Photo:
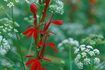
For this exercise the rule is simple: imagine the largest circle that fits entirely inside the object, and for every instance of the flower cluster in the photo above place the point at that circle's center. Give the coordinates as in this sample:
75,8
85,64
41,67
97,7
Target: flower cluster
69,41
7,27
11,3
57,7
86,55
40,32
4,45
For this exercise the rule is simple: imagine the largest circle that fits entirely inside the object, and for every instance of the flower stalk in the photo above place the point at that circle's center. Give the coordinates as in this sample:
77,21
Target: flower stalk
41,34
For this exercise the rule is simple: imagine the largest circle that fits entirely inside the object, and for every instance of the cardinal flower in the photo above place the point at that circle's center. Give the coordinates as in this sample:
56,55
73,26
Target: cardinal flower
31,32
34,64
51,44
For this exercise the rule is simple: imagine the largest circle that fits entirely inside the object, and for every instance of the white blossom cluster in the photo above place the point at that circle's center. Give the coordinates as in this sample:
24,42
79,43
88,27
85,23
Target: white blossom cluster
69,41
4,45
10,4
57,7
5,63
86,55
7,27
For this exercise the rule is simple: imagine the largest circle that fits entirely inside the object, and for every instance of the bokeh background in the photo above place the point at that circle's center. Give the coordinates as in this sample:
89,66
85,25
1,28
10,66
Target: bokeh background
84,21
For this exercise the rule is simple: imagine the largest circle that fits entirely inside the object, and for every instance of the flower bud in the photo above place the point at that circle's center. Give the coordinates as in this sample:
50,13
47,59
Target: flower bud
57,22
33,8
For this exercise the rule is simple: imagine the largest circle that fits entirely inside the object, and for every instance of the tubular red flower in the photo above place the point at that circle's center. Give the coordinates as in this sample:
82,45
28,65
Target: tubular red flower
57,22
33,8
52,45
31,32
35,64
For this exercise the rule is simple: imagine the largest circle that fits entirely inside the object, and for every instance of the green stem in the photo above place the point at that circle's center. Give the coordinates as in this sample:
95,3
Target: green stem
70,57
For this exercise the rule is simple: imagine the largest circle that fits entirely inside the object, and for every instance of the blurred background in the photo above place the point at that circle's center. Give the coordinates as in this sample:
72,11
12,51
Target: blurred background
84,21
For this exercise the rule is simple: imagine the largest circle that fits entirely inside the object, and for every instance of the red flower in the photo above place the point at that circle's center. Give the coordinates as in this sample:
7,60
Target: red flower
57,22
34,64
51,44
31,32
33,8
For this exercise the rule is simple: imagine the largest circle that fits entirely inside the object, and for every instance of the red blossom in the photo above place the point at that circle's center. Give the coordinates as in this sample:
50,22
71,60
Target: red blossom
31,32
51,44
33,8
57,22
35,64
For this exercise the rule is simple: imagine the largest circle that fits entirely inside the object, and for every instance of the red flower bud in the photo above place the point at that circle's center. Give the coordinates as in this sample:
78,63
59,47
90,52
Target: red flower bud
33,8
57,22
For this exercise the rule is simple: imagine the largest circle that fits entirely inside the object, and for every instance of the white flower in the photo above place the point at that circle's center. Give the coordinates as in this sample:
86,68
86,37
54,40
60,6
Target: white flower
15,30
82,47
4,46
96,51
96,60
5,63
10,4
5,0
76,51
65,41
2,51
60,44
90,47
80,65
17,1
57,7
87,50
83,54
87,61
27,1
1,37
91,53
78,56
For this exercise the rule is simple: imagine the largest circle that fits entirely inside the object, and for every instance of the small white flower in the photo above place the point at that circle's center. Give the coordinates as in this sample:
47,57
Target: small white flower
82,47
78,56
5,0
65,41
1,37
87,50
27,1
96,60
76,51
15,30
83,54
4,30
60,44
80,65
17,1
96,51
57,7
87,61
3,51
4,46
10,4
91,53
90,47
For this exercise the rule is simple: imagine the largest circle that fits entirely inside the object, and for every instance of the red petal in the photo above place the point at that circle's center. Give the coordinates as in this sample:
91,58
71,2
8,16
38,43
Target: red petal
57,22
40,43
52,45
35,35
33,8
28,32
34,66
30,62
